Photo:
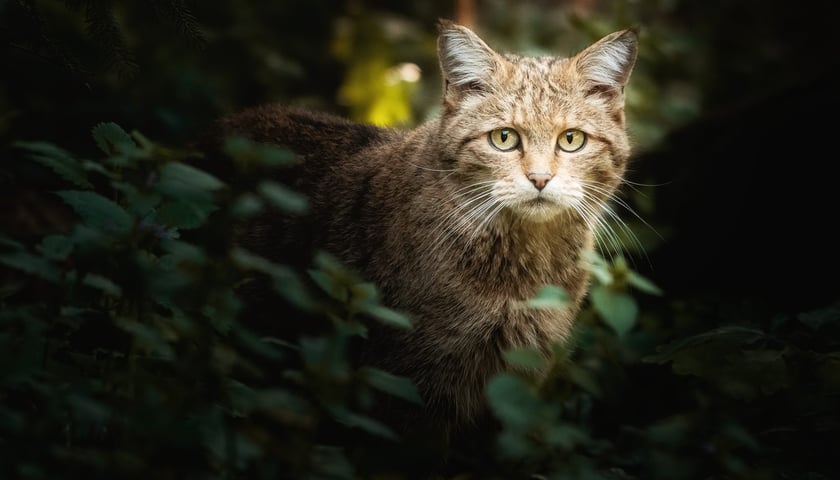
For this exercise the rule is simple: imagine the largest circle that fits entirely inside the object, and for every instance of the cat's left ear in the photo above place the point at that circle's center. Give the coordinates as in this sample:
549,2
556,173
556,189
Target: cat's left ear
607,63
468,65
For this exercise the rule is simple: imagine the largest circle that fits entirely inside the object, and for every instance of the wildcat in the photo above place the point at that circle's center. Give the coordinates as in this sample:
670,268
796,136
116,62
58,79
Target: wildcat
462,219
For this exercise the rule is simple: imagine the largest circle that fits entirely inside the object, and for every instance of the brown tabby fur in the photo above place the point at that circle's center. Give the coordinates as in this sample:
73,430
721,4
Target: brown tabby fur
401,206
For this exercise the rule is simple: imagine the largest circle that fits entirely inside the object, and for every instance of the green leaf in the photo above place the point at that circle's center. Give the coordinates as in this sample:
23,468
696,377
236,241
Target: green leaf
514,444
741,436
57,160
618,309
183,215
525,357
548,297
10,243
137,201
56,247
264,347
584,379
25,261
90,166
149,338
112,139
565,436
97,211
672,430
387,316
247,152
732,337
282,197
191,192
362,422
181,180
99,282
513,402
247,260
284,406
727,358
599,268
329,284
401,387
821,318
184,252
246,206
326,357
642,283
364,292
286,281
330,463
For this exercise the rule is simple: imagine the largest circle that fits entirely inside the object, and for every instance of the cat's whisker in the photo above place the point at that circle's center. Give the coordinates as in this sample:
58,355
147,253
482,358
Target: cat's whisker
467,225
607,228
487,219
629,233
593,223
617,220
474,213
463,215
421,167
472,187
611,196
631,183
605,234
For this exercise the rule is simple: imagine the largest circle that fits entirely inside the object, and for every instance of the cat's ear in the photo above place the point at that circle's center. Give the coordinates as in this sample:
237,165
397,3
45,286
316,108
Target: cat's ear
607,63
468,65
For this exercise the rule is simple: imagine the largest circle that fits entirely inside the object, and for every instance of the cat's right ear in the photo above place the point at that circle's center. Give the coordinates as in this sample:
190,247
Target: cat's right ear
607,63
467,64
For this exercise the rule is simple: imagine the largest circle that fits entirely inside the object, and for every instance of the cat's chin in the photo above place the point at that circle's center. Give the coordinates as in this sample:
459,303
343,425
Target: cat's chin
539,209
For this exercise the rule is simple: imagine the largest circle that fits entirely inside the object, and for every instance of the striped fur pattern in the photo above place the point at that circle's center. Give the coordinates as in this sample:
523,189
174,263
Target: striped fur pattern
453,230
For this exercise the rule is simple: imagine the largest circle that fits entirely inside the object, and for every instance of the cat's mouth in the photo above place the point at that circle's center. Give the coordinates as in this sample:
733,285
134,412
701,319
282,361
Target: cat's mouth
540,208
541,202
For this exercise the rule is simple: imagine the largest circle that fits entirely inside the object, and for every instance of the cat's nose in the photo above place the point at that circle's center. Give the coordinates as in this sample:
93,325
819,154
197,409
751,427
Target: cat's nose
539,179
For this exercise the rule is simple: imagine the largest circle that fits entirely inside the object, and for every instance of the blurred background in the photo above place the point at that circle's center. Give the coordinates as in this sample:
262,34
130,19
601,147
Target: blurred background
729,205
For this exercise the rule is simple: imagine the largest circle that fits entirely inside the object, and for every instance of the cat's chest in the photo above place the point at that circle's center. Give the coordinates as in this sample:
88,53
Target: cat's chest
513,266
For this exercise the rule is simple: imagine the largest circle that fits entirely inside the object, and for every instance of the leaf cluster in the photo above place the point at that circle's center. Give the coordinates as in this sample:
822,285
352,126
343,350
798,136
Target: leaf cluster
126,351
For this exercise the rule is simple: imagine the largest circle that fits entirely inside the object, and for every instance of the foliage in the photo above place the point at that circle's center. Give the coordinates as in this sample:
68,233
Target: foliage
124,351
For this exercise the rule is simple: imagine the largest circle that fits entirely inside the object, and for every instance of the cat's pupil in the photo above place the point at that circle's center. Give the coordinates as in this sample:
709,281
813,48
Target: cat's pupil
504,135
569,137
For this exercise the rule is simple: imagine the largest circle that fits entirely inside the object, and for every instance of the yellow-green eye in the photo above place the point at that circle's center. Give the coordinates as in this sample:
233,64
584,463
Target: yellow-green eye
571,140
505,139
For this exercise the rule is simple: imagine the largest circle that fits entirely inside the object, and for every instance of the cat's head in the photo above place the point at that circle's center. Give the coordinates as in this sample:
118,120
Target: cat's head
537,136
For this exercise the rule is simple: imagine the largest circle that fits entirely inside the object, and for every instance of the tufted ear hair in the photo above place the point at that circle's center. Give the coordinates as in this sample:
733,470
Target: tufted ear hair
607,63
468,65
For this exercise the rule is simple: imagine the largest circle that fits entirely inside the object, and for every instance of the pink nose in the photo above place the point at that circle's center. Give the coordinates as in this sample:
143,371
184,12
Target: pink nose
539,179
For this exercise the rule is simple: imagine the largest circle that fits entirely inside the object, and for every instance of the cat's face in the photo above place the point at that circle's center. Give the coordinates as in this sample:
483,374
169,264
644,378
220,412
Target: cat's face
536,136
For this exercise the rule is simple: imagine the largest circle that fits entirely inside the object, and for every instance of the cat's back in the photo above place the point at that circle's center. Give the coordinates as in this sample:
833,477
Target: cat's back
309,133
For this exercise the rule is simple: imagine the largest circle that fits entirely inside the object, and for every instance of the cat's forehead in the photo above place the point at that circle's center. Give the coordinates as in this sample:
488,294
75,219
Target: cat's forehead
542,64
542,91
531,72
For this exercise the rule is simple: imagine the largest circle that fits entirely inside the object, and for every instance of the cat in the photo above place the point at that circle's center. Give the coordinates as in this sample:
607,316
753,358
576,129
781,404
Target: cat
462,219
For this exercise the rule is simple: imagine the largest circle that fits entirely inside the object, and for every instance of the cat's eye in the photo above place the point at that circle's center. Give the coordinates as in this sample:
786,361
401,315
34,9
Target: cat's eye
505,139
571,140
